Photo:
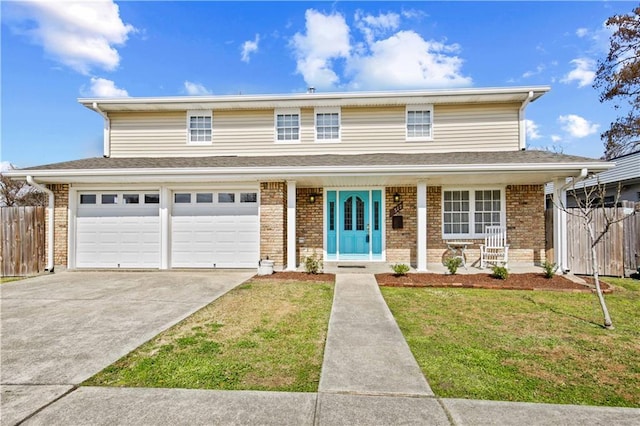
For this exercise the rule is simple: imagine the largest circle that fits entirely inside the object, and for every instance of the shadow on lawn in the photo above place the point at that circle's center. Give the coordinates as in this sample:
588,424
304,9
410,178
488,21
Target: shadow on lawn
561,313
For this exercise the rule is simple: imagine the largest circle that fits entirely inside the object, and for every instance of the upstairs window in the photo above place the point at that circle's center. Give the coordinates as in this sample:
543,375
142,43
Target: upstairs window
199,127
420,122
327,124
288,125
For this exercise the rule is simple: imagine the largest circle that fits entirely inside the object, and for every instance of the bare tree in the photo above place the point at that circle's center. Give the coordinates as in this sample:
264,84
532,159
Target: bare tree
19,193
589,201
618,78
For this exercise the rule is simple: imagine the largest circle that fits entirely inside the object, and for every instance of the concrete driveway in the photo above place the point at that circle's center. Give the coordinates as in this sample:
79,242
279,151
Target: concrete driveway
60,329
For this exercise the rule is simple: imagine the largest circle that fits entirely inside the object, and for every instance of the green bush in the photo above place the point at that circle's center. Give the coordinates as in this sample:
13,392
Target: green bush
549,269
500,272
452,264
313,264
400,269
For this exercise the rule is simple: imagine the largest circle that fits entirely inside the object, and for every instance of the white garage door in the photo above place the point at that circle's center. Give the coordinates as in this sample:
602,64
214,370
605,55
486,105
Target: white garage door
215,229
118,230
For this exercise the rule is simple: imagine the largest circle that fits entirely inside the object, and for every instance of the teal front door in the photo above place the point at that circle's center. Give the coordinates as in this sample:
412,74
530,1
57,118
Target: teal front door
354,225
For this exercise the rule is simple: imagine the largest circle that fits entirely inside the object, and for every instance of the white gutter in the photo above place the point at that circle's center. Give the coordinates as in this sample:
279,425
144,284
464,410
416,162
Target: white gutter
523,127
50,221
582,176
107,129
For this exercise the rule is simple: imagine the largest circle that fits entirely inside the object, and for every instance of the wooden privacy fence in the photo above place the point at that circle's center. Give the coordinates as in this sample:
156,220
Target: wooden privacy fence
22,240
618,251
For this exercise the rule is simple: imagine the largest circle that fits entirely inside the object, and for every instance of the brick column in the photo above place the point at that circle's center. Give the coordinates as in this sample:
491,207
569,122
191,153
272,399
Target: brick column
61,224
273,222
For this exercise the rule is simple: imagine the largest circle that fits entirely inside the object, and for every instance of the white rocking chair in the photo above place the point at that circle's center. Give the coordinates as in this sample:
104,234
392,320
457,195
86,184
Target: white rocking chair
495,248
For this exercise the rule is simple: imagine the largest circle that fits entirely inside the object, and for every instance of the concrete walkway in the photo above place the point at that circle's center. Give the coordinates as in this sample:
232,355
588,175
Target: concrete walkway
365,351
369,377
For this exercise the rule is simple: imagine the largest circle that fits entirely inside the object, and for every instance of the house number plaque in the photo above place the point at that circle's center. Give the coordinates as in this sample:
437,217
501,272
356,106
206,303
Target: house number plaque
396,209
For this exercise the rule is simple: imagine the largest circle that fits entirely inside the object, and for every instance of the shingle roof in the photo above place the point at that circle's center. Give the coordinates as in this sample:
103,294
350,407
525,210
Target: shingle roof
356,160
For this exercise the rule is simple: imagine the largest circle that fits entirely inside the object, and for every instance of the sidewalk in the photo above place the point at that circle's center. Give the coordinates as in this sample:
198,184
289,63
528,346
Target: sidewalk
369,377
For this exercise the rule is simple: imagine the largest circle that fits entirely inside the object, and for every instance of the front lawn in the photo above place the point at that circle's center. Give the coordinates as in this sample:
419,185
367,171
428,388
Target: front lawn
263,335
523,346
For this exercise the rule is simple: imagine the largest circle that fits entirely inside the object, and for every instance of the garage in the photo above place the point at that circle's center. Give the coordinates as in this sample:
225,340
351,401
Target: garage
215,229
118,230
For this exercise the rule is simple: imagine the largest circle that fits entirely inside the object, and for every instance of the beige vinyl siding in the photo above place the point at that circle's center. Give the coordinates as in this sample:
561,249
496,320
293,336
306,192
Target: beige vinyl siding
493,127
486,127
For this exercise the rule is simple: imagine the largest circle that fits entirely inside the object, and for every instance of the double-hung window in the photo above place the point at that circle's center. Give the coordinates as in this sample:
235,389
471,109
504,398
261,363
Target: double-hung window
327,124
420,122
287,125
199,126
467,213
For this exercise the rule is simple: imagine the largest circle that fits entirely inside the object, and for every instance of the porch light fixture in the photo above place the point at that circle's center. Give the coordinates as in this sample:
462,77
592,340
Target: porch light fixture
312,198
396,198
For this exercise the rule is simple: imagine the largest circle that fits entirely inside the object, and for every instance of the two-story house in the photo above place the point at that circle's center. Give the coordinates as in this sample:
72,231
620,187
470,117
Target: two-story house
223,181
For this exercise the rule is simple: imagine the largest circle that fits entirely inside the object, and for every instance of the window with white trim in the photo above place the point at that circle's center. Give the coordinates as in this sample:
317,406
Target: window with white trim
199,126
287,125
467,213
327,124
420,122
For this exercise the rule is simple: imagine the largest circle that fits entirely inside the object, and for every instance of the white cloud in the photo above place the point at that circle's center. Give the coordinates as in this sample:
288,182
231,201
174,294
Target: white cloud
556,138
387,59
249,47
406,60
533,132
103,88
195,89
537,71
78,34
326,39
584,72
576,126
372,26
582,32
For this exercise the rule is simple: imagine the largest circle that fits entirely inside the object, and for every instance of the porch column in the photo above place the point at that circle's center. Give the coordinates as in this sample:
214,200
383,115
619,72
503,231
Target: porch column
291,225
165,227
422,226
560,225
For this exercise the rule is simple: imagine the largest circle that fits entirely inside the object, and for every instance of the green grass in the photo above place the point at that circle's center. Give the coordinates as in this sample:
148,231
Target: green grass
264,335
627,283
523,346
4,280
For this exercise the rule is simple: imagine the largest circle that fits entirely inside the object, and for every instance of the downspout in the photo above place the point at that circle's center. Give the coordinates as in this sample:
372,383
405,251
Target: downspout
523,127
575,179
107,130
50,221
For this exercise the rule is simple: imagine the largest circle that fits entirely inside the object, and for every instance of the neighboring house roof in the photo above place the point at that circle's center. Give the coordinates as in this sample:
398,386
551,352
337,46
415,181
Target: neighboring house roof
626,169
430,166
310,100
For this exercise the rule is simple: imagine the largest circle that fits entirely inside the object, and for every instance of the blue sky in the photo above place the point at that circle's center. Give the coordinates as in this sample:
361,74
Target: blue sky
55,52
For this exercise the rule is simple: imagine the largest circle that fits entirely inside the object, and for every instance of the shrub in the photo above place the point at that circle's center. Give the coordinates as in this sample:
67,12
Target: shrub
312,264
549,269
452,264
500,272
400,269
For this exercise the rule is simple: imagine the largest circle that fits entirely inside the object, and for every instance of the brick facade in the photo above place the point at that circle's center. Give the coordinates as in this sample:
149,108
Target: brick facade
526,223
61,224
309,223
524,210
402,243
273,222
525,226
